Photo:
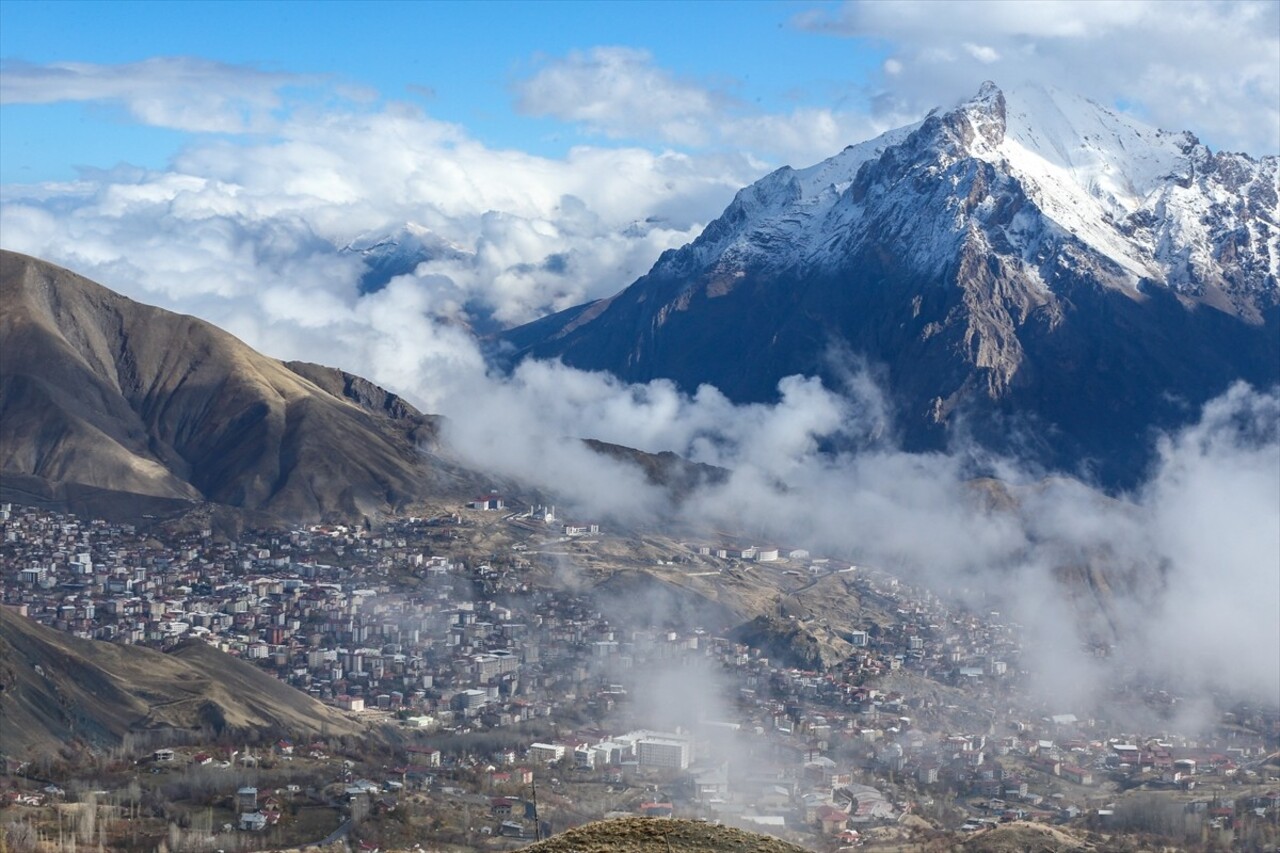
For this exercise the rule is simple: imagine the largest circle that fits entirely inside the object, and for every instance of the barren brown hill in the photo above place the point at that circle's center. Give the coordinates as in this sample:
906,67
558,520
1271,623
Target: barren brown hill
100,394
55,688
665,469
1017,837
658,835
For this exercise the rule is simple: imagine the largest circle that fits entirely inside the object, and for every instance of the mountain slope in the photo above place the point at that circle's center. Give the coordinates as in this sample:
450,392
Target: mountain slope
54,687
99,392
1036,272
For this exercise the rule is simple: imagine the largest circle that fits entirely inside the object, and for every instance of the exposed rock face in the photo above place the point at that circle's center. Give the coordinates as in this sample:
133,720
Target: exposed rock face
99,392
1033,271
786,642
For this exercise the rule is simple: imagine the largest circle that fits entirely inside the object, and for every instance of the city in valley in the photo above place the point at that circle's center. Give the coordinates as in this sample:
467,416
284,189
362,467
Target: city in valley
494,673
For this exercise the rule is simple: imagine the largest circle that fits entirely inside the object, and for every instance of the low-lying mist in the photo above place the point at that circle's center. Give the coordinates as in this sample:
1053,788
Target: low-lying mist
1178,581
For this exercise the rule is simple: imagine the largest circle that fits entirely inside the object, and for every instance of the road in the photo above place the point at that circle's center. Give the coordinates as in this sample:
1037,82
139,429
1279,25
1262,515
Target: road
338,834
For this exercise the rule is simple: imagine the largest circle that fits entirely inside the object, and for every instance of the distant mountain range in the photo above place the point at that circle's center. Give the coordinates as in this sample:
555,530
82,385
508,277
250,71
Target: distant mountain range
132,405
1029,269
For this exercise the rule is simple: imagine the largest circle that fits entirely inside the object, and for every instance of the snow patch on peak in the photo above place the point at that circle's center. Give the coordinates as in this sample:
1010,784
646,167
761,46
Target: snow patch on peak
1115,159
1154,202
837,173
1046,175
387,254
773,219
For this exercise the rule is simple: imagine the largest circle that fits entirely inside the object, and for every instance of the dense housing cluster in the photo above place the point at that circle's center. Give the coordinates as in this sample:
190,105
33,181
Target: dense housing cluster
496,679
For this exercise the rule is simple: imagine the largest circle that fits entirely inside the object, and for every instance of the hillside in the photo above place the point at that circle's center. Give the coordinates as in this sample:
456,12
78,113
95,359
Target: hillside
677,475
656,835
55,688
101,396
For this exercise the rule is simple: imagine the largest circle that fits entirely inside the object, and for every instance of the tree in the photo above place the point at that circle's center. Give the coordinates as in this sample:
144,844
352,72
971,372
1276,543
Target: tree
19,837
359,808
86,821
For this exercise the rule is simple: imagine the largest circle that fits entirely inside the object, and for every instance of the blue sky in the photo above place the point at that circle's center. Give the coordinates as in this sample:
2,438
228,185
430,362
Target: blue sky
457,61
1210,69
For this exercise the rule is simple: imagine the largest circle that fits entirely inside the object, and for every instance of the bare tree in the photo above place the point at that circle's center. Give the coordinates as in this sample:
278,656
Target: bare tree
20,836
87,820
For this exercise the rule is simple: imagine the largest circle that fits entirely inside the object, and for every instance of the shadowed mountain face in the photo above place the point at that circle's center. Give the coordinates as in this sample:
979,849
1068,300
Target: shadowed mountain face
101,394
55,687
1037,273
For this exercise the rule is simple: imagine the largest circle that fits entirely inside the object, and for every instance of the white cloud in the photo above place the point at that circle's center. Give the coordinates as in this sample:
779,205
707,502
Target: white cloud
1199,544
246,233
185,93
621,93
982,52
1209,67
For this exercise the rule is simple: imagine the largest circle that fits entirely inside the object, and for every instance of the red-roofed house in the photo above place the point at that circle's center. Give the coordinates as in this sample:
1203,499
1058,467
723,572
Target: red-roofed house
832,820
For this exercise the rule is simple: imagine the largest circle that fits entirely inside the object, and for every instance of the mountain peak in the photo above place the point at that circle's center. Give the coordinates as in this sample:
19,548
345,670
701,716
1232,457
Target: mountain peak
986,113
1151,206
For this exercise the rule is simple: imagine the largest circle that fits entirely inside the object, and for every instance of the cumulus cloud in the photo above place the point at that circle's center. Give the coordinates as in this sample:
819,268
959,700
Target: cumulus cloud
981,52
621,93
250,233
231,224
1209,67
180,92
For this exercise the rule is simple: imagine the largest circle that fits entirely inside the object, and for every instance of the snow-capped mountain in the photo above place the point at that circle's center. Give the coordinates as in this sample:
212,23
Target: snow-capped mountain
396,253
1052,274
1157,206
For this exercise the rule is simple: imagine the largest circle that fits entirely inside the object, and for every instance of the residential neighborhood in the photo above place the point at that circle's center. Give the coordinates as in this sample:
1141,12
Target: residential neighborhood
538,707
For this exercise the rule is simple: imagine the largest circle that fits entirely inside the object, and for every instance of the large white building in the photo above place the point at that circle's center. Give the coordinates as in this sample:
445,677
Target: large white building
663,752
545,753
